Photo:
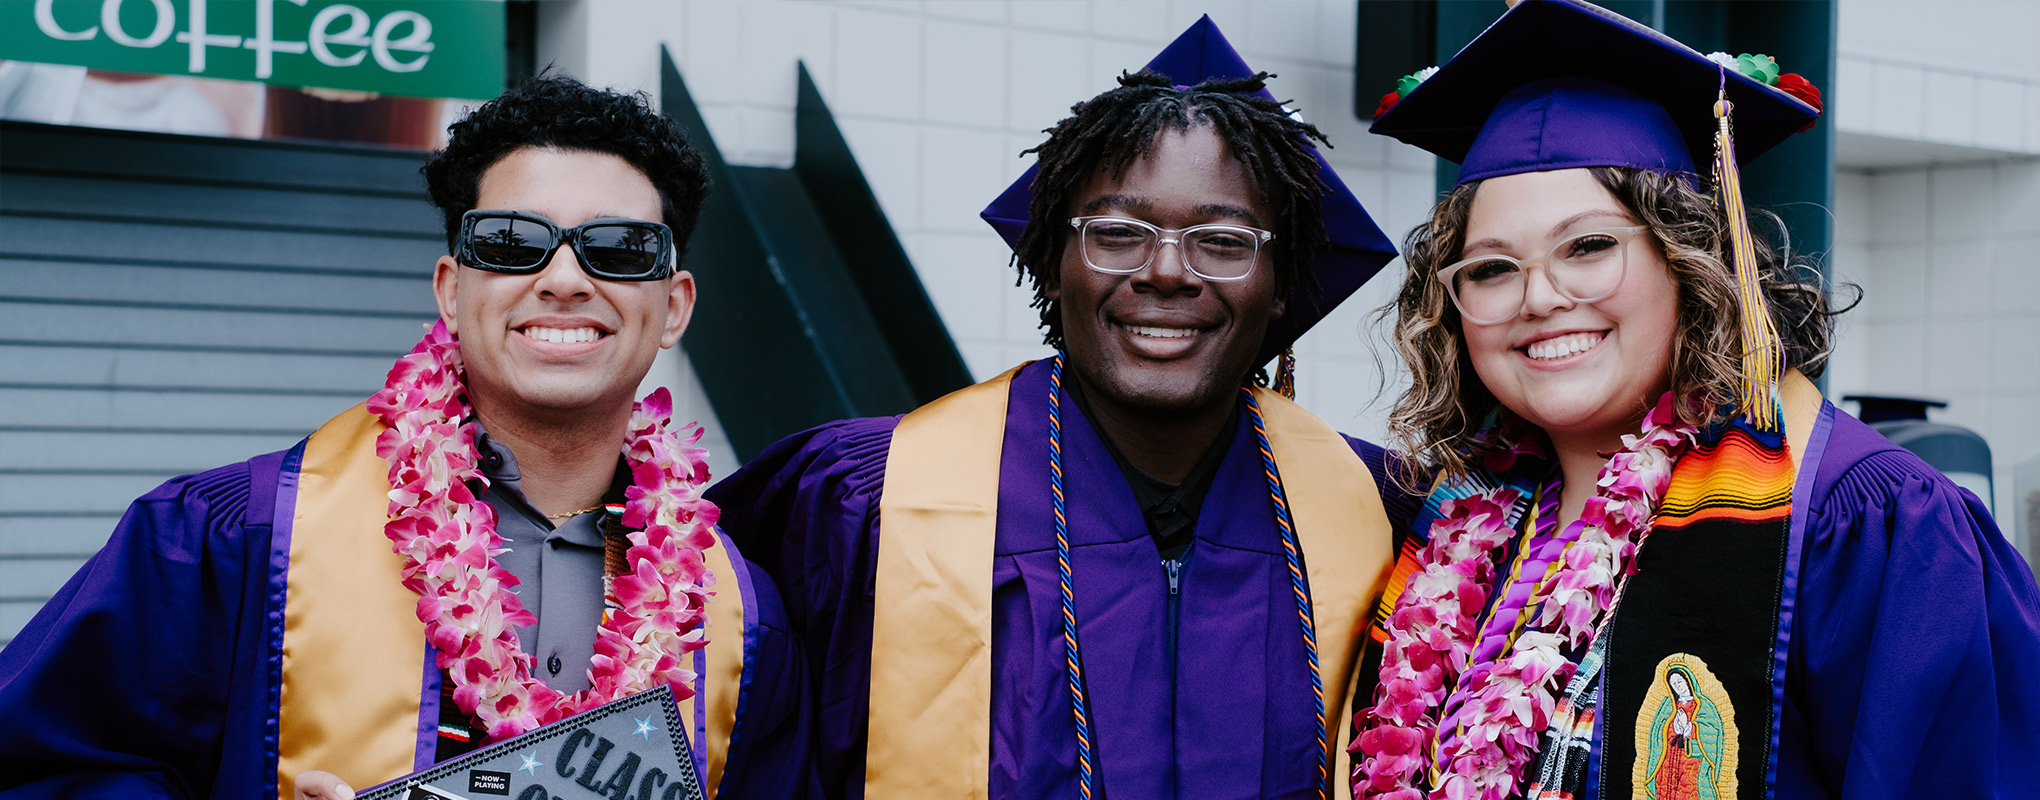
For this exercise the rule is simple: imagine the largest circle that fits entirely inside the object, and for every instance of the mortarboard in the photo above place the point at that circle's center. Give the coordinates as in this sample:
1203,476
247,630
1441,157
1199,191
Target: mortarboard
1560,84
1356,248
1556,84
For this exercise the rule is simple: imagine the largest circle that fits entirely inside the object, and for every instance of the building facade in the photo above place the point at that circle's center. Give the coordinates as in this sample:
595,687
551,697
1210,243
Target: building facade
1936,217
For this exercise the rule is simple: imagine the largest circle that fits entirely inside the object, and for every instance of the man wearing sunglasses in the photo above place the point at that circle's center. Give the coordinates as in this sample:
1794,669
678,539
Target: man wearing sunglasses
1125,571
256,630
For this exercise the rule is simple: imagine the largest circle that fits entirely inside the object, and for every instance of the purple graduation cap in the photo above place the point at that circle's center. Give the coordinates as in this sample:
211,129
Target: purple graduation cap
1356,249
1556,84
1559,84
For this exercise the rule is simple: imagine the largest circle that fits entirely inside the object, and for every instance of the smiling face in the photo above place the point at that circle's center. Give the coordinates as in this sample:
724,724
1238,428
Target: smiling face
1573,369
559,341
1163,340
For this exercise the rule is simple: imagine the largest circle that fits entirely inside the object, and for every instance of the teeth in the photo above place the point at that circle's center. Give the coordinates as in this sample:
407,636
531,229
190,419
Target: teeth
563,335
1564,345
1161,333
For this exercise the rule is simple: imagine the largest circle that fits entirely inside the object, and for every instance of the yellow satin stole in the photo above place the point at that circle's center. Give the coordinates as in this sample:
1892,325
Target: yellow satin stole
354,650
931,652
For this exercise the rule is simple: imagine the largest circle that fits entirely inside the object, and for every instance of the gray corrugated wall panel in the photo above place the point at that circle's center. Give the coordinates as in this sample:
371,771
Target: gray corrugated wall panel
155,242
36,576
84,408
217,205
61,535
15,614
115,368
72,494
335,167
298,330
171,304
42,279
163,452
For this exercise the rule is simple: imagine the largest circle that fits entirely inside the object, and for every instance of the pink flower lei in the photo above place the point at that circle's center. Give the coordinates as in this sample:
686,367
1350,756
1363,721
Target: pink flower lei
1506,703
657,609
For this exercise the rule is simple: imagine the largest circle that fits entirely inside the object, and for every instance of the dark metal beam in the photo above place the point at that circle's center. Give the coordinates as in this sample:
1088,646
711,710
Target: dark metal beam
877,264
804,302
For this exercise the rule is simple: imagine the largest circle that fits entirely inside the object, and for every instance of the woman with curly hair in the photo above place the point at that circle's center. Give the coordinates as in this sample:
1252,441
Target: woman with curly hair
1654,562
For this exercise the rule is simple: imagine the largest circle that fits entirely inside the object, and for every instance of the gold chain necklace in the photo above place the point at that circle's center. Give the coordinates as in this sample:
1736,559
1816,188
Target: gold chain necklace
566,514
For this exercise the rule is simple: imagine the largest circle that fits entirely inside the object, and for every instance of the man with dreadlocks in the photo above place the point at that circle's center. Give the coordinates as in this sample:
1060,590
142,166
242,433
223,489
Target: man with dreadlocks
1126,570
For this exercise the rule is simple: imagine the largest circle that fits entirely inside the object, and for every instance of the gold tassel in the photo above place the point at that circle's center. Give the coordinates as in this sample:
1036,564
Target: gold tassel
1763,352
1285,373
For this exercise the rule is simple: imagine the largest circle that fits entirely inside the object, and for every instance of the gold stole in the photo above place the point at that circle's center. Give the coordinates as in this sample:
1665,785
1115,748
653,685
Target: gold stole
931,652
1802,402
354,650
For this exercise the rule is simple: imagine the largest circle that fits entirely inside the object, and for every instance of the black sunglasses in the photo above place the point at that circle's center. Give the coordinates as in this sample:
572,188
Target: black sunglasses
517,243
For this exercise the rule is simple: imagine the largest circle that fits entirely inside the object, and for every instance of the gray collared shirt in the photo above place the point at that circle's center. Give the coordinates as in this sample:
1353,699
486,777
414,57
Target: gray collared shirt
559,570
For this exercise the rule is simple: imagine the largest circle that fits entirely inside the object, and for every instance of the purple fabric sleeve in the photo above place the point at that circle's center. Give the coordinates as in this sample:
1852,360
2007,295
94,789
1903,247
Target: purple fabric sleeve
1795,555
425,751
1916,642
772,748
1915,636
1402,490
149,673
281,518
805,513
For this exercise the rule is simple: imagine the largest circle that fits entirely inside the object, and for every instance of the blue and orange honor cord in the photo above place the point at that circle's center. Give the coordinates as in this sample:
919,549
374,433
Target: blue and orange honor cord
1073,659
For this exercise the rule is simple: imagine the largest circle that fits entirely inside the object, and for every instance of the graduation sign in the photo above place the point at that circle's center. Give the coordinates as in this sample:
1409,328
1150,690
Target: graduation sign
636,747
410,48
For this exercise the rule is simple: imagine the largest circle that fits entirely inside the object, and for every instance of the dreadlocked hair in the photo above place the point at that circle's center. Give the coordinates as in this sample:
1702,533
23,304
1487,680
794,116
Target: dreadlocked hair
1120,126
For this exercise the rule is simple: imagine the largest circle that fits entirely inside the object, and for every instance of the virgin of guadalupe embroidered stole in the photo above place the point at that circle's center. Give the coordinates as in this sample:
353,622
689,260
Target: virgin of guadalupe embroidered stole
1696,652
931,654
354,665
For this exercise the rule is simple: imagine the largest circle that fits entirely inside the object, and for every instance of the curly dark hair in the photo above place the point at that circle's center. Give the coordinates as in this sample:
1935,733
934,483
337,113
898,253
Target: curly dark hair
1436,419
1120,126
560,112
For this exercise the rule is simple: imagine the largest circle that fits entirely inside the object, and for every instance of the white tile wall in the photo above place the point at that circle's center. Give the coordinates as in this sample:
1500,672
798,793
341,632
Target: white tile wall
1851,101
2032,125
1898,109
1949,261
1905,73
1880,94
1998,118
1950,107
937,100
1993,36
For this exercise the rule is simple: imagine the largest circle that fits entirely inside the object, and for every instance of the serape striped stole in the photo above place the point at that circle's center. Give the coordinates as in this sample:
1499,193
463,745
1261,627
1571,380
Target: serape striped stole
1695,675
1712,599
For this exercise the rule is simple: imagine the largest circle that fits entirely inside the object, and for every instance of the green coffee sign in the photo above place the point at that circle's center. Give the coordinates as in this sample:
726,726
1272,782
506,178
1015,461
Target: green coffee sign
413,48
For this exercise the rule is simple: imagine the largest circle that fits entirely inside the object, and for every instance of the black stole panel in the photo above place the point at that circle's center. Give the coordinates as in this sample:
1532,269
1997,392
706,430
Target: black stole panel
1689,699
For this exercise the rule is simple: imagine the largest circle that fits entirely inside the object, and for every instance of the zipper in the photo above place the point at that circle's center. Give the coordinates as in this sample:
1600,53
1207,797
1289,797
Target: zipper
1173,567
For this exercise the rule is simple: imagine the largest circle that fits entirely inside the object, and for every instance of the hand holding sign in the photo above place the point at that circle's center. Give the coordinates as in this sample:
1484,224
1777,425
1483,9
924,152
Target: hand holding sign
313,784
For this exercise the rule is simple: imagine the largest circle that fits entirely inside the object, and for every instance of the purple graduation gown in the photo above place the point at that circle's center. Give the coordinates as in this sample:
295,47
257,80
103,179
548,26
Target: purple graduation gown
153,672
1913,668
1914,664
1235,718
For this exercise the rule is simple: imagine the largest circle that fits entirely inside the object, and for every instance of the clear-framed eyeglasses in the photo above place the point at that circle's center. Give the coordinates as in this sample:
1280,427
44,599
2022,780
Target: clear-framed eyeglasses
1122,246
1583,268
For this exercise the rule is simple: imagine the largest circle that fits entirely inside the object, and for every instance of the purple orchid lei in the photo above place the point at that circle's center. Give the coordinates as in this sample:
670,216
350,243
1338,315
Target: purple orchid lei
1506,702
448,540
